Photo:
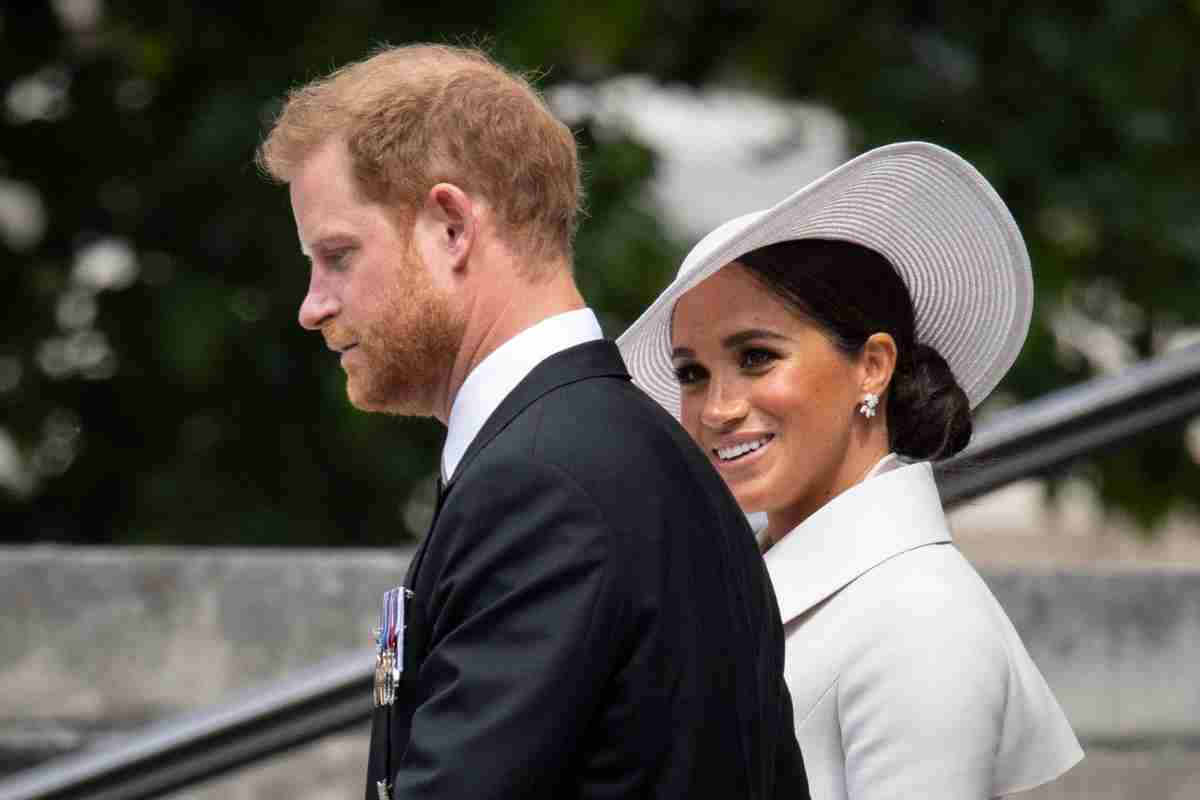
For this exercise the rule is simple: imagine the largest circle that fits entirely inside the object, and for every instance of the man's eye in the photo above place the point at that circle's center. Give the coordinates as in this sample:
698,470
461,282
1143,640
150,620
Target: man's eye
338,259
689,373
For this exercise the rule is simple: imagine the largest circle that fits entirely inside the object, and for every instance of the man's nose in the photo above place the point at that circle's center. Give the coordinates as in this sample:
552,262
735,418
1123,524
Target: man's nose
319,306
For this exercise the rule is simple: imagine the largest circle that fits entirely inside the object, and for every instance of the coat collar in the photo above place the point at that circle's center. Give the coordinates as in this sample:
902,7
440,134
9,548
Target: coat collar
854,532
599,358
499,373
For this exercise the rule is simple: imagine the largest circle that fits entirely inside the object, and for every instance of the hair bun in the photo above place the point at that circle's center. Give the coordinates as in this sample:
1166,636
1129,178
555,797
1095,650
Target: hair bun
929,416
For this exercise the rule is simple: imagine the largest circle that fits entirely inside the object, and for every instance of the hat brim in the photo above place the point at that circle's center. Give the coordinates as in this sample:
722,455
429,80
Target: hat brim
930,213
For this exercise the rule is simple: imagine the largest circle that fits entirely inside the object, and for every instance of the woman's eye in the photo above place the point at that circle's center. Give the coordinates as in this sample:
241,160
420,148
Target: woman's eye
689,373
756,357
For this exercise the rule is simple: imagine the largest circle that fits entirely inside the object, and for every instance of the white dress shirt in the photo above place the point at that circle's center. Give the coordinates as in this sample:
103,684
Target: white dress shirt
499,373
907,678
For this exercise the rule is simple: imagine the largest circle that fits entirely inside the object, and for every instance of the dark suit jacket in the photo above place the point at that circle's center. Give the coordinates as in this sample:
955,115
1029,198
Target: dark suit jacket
590,616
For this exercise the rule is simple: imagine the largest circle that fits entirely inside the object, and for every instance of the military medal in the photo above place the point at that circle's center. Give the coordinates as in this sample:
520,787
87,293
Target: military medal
389,645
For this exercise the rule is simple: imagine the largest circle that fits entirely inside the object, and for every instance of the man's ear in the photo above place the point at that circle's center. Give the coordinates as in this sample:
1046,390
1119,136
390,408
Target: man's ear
446,228
877,361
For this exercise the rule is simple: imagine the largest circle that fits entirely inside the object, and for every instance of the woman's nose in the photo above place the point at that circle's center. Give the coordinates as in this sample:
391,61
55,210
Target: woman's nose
724,405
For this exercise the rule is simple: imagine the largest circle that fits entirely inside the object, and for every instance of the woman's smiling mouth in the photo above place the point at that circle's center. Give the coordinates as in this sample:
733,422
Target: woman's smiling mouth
735,451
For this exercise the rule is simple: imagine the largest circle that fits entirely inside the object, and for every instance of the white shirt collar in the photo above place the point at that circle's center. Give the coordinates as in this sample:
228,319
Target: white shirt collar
493,378
896,510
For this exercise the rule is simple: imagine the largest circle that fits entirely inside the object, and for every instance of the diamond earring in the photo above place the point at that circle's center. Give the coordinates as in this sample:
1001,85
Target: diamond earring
869,401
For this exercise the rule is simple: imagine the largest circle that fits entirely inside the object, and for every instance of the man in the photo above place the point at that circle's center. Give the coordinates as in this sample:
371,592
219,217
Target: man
588,615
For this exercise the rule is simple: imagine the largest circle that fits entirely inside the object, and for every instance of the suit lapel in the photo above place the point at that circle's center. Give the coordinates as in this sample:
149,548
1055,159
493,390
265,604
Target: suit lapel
589,360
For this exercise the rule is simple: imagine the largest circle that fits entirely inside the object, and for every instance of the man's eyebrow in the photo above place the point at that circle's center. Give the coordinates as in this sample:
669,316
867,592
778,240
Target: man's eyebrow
683,352
326,241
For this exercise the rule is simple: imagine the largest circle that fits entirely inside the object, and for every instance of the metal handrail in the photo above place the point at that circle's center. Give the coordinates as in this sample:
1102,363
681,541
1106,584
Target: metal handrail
1020,442
1038,436
326,698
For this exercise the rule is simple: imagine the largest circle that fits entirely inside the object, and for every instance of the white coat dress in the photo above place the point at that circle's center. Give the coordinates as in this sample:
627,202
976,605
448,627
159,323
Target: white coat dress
907,678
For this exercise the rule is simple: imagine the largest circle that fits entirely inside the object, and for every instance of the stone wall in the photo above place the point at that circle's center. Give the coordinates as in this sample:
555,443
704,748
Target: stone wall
95,642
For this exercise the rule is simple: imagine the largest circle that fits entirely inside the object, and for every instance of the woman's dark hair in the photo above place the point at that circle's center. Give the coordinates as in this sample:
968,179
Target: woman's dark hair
851,292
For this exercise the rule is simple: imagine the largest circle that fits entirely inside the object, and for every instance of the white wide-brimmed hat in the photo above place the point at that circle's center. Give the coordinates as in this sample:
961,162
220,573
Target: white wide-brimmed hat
930,213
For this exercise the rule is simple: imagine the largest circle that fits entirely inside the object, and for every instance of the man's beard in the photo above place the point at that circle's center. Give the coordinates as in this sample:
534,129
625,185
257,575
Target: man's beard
408,347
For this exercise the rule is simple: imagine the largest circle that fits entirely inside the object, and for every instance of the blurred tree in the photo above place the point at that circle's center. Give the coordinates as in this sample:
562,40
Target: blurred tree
155,388
158,387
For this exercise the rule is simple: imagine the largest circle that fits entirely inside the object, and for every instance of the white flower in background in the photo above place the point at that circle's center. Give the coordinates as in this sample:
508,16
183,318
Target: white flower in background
1095,322
56,452
52,357
1080,336
80,16
40,96
85,351
89,352
22,215
76,308
109,263
14,475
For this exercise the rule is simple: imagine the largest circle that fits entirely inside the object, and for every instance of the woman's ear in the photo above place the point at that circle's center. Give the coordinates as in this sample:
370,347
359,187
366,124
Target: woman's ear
878,362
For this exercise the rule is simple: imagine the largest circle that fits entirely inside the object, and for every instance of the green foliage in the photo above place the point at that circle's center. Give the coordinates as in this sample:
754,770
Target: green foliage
1146,479
188,407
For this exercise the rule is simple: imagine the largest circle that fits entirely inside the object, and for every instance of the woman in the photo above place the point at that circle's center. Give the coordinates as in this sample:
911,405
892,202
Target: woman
822,353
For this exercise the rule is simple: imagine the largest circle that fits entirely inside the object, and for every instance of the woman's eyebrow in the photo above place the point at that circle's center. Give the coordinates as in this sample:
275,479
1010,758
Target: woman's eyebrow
741,337
731,341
